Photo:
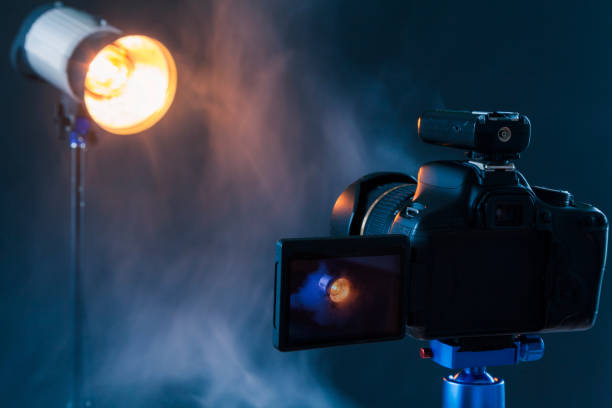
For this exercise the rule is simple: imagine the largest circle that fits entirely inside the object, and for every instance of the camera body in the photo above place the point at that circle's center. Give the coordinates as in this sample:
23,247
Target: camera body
487,254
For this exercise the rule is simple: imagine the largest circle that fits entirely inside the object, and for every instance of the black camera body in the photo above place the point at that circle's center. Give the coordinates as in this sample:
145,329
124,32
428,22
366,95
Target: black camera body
488,254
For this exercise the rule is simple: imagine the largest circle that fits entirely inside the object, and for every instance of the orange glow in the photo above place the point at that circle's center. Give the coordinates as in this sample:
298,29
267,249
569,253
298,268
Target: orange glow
130,84
343,204
419,125
339,290
419,188
109,72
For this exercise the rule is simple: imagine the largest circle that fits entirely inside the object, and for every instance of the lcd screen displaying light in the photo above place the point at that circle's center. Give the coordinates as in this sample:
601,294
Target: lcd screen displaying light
344,297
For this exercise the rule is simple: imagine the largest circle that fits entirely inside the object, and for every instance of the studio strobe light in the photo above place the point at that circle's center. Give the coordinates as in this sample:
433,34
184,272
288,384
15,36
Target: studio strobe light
124,84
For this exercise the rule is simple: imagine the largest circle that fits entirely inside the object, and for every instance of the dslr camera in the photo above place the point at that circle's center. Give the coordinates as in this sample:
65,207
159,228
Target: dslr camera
468,250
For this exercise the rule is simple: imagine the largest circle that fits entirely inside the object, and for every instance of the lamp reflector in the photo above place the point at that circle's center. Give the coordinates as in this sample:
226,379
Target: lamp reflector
130,84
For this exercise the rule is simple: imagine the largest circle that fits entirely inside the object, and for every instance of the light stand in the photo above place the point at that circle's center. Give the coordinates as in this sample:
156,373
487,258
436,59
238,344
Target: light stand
123,83
75,126
473,386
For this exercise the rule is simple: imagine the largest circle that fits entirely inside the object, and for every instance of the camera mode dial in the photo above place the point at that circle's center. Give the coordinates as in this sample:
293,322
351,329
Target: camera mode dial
557,198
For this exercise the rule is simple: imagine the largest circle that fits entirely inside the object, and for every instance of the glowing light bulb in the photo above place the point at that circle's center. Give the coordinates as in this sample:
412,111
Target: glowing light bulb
109,72
339,290
130,84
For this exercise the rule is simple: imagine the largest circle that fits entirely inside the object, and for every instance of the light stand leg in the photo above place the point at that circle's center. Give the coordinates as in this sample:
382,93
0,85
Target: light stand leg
78,149
473,388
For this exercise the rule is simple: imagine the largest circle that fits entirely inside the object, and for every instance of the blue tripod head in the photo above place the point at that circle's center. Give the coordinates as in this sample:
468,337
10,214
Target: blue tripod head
473,386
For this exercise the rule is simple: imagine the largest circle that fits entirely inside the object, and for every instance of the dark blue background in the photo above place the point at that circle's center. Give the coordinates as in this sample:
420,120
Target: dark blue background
280,106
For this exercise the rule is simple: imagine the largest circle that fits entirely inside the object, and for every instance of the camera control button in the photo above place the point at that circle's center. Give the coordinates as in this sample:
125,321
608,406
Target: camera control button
557,198
504,134
411,212
545,216
426,353
595,221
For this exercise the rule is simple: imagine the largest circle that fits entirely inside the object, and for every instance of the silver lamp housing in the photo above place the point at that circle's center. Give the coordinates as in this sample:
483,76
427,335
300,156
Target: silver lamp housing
55,44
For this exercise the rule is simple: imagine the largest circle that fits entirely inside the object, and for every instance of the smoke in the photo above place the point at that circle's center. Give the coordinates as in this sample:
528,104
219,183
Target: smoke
183,220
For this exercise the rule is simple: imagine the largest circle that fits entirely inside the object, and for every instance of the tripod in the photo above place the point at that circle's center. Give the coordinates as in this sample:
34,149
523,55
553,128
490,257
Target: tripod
473,386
